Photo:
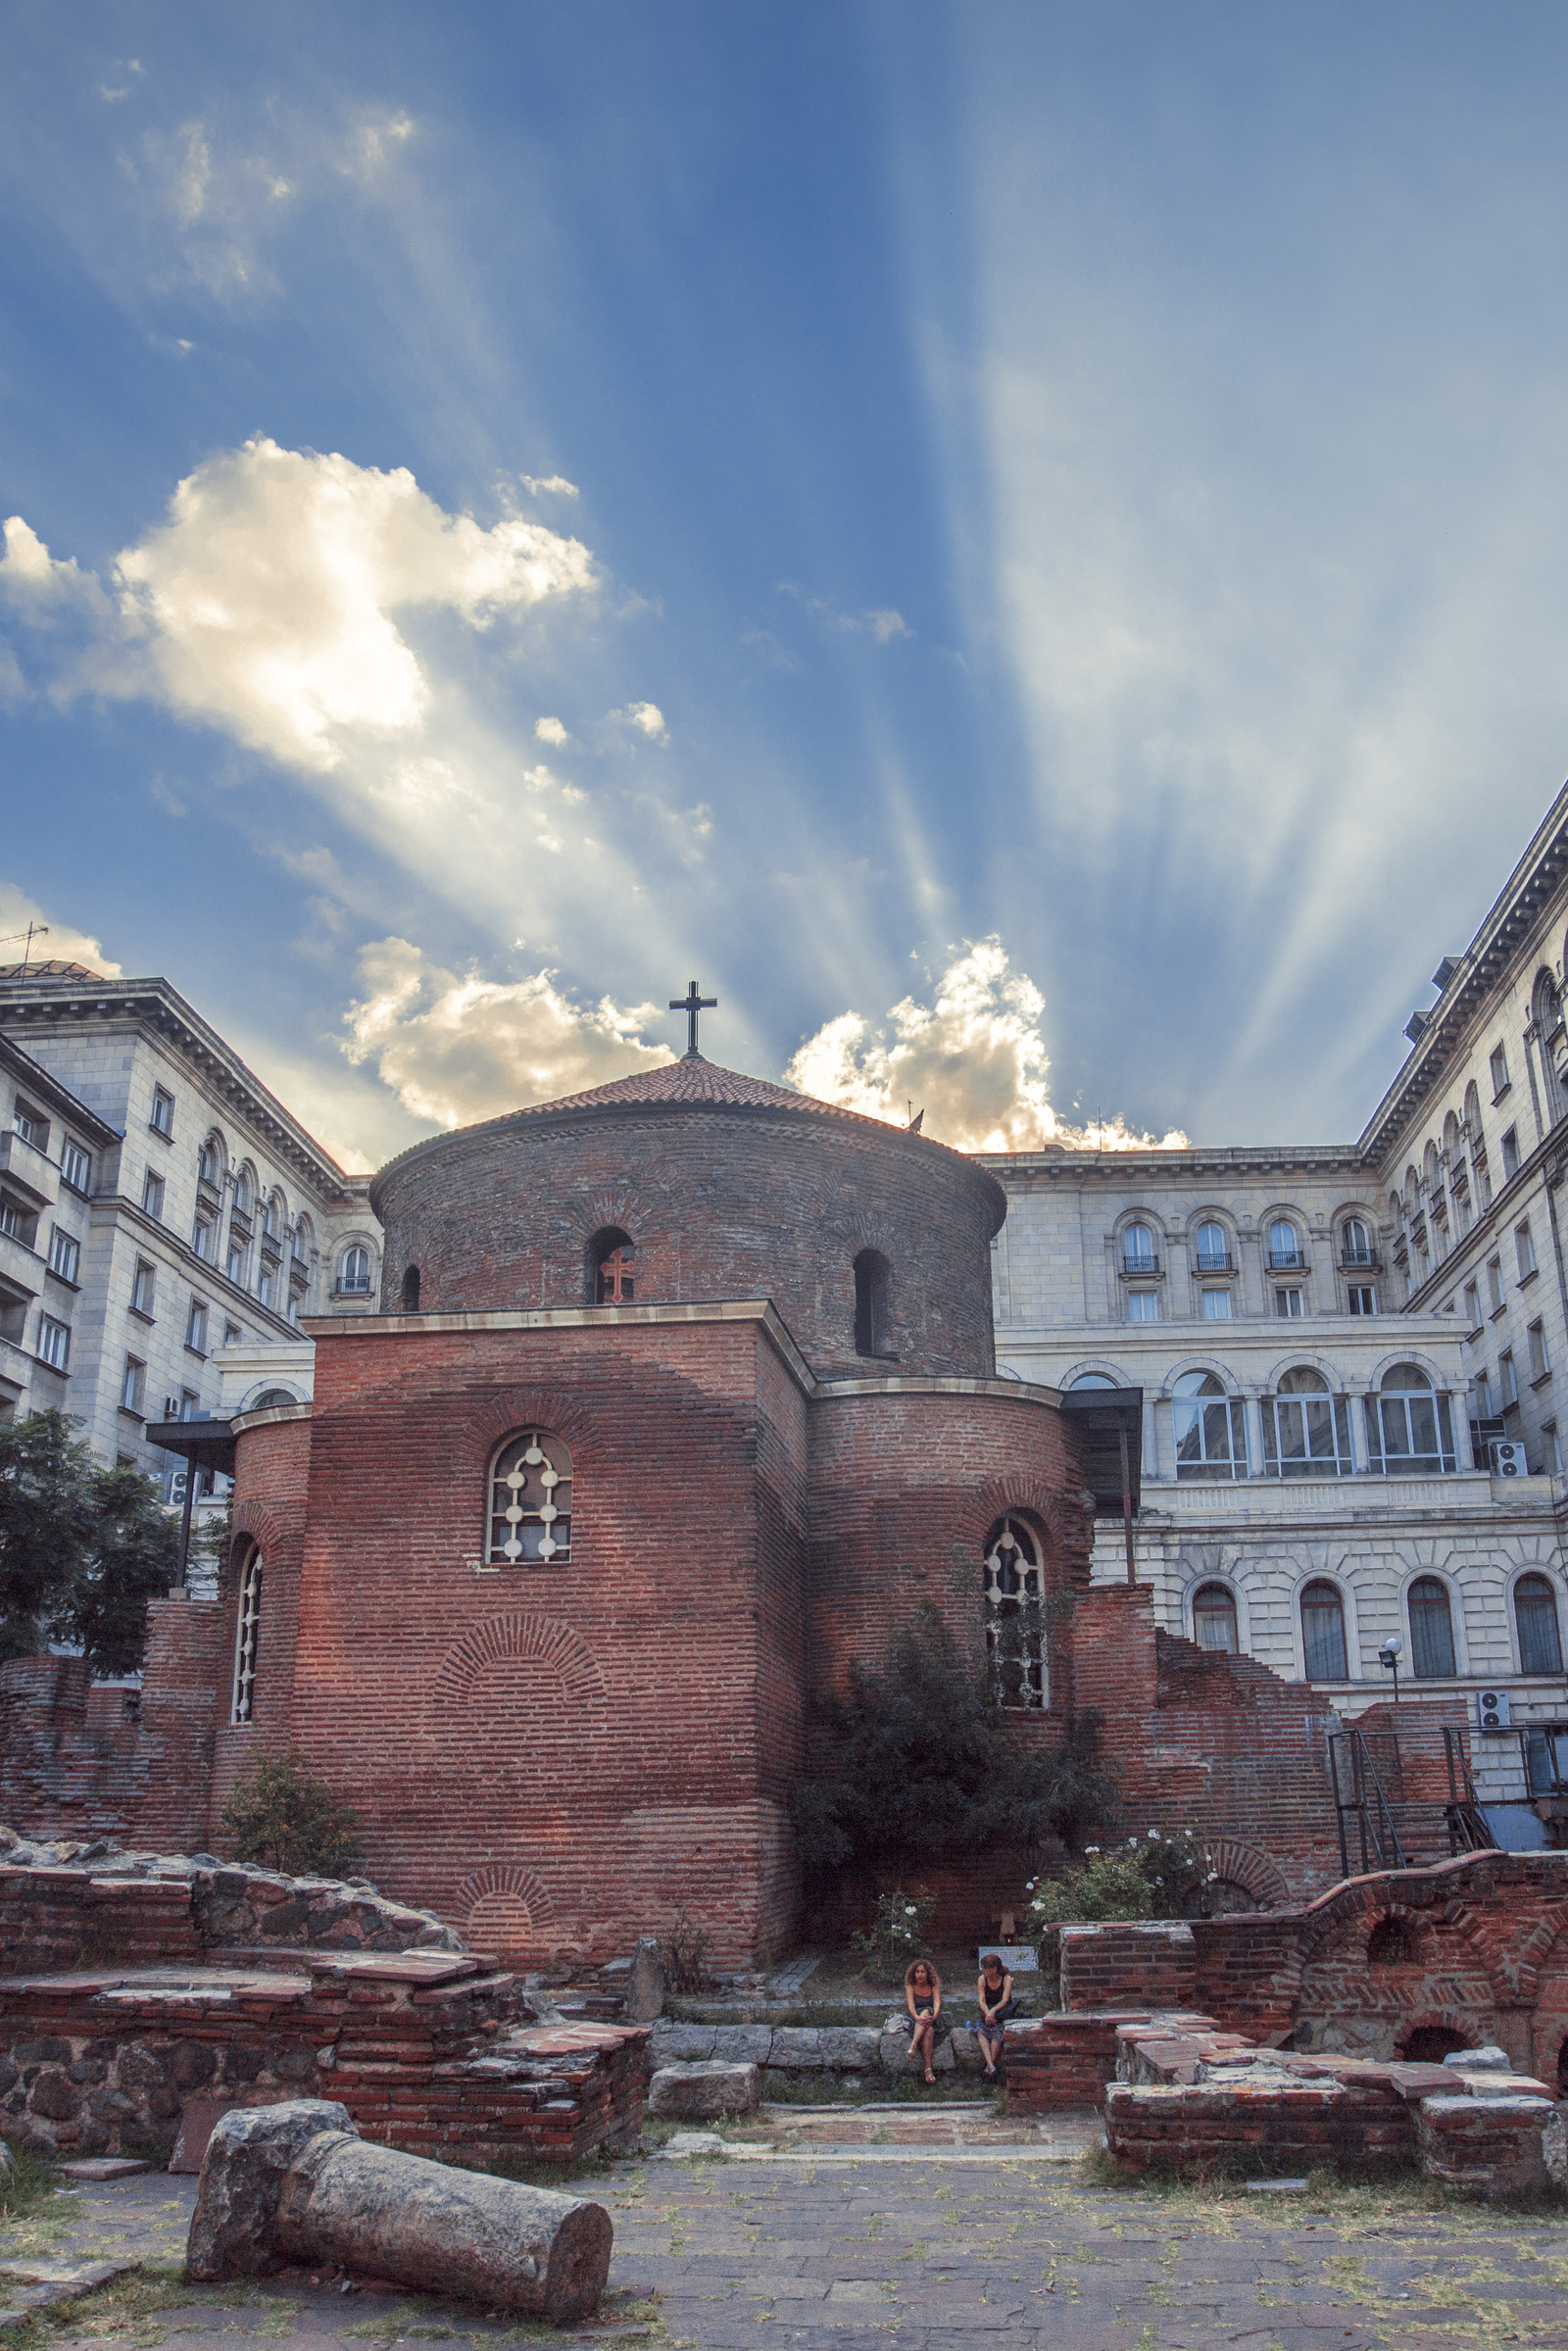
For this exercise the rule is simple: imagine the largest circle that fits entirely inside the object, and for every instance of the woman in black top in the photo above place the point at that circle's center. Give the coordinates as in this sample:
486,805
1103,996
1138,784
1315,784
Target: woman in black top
997,2004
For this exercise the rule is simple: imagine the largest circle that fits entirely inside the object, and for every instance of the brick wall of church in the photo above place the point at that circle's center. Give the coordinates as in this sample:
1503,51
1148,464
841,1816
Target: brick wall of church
726,1203
271,1491
557,1758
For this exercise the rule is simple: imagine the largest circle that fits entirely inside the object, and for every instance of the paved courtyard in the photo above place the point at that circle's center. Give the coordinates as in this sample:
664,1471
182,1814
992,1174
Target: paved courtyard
846,2248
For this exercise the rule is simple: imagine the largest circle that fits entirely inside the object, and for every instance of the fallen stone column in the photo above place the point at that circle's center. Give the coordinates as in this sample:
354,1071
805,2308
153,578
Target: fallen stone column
295,2183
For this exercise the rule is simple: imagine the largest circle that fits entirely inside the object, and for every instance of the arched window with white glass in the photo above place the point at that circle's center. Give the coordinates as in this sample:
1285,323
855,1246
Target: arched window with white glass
1215,1618
1139,1254
1306,1428
1211,1248
1534,1616
1323,1630
1286,1254
354,1271
1409,1425
1210,1429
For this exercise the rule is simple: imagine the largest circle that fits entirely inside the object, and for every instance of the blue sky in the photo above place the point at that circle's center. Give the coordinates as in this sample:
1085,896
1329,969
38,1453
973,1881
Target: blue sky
1026,547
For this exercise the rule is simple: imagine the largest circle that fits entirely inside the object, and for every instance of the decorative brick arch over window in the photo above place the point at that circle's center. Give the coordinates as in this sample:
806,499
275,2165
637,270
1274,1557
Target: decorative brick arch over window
1015,1587
530,1501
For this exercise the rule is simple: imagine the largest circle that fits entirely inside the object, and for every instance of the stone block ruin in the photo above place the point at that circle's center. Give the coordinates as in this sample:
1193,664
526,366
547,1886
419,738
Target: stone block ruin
140,1992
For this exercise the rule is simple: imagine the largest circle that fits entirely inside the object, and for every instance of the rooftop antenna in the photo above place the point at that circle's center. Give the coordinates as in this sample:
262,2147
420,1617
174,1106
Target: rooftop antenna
35,930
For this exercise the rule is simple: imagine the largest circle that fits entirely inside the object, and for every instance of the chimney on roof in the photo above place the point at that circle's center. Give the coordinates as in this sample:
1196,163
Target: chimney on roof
1445,972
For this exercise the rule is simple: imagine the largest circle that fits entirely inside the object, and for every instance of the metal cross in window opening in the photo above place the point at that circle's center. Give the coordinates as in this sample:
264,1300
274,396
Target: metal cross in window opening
692,1003
617,1278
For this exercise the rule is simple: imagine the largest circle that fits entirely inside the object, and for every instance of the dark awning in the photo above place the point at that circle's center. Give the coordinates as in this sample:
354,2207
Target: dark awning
1103,1414
210,1444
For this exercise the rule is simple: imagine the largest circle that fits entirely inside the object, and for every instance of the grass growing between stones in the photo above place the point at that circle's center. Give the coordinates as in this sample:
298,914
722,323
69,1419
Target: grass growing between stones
1362,2196
33,2214
875,2089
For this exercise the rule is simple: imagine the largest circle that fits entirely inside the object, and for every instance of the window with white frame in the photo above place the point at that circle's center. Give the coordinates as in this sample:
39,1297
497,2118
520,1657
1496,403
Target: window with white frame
202,1240
1524,1250
1210,1429
1361,1298
143,1287
76,1164
208,1164
196,1327
1012,1588
1536,1336
247,1639
236,1261
1410,1428
152,1195
1213,1249
1356,1242
264,1284
1507,1378
54,1342
1216,1305
1499,1072
354,1273
65,1254
162,1117
1284,1248
1510,1154
30,1125
1138,1249
1323,1630
530,1501
1143,1306
1215,1618
17,1221
133,1386
1306,1428
1535,1614
1288,1303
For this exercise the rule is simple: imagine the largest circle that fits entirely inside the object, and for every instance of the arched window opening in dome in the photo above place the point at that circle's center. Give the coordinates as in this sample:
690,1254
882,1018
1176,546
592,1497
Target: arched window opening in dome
271,1398
1323,1630
530,1501
1015,1592
410,1290
1306,1429
1210,1429
1534,1612
1215,1618
1431,1631
1409,1427
1393,1942
1091,1379
247,1639
612,1268
871,1317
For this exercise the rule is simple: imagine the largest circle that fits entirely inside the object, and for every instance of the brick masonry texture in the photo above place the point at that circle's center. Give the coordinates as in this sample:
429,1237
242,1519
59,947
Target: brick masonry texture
773,1197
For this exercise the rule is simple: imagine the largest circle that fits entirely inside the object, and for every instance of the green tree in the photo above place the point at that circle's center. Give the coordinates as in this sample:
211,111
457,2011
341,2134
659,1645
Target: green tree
923,1765
82,1548
291,1822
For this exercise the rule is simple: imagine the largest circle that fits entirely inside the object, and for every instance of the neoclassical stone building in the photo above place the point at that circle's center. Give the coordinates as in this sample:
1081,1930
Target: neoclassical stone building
1332,1342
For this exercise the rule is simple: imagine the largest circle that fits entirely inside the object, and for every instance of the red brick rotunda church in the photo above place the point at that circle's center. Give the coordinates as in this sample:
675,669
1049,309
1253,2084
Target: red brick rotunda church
692,1397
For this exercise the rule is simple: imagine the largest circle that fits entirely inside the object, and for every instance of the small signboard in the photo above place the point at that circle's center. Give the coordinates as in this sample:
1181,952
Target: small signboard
1019,1959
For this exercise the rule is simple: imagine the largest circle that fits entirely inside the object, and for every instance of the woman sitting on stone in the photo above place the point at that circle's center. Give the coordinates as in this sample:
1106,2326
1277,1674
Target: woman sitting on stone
922,1997
997,2004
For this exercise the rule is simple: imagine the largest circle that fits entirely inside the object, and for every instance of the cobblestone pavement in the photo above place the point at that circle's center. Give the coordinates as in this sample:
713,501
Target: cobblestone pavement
936,2252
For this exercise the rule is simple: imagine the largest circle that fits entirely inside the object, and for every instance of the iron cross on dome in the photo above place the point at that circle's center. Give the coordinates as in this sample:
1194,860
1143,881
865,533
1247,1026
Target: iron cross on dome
692,1005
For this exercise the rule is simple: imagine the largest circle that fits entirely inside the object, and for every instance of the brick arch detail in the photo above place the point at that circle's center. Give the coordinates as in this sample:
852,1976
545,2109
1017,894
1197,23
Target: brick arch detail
263,1524
540,1637
1446,2020
535,1407
1061,1518
522,1888
1516,1976
1250,1867
619,1204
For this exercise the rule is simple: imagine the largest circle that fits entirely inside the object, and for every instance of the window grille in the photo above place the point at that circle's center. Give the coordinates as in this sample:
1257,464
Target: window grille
1535,1611
1306,1429
247,1638
530,1501
1431,1631
1323,1632
1014,1617
612,1258
1215,1618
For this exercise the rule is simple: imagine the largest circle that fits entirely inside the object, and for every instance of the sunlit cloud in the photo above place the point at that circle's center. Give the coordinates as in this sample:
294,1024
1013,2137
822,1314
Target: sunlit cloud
647,718
61,941
551,730
550,485
973,1060
882,622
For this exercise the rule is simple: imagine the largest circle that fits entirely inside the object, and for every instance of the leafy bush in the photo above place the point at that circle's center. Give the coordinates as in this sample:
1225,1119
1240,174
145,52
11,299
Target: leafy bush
1146,1877
898,1932
291,1822
82,1548
922,1765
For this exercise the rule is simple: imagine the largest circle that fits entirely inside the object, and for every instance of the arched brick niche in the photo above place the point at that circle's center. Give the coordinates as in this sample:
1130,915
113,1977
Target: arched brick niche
722,1187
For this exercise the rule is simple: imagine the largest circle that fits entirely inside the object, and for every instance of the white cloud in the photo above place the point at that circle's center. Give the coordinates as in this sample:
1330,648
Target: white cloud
974,1062
551,730
34,583
65,943
267,597
882,622
549,485
888,624
647,718
456,1050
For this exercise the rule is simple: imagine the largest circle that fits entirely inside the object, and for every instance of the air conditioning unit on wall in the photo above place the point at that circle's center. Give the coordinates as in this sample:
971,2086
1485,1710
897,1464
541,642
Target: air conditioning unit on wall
1492,1710
1508,1461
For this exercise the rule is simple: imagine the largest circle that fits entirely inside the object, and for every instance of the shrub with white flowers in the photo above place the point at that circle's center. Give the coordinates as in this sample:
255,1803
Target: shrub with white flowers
1151,1877
899,1931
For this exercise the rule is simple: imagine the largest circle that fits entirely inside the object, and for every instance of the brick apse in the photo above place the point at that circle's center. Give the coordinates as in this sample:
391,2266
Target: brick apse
693,1399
